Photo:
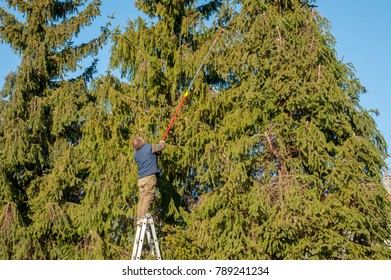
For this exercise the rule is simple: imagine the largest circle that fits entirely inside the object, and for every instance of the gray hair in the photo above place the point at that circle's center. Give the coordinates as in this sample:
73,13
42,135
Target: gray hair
137,143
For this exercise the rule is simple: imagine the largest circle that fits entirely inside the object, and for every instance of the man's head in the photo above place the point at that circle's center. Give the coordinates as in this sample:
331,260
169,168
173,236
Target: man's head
137,143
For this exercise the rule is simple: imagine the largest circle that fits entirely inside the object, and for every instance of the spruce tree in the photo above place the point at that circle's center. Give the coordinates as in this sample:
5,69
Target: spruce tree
41,117
104,216
302,157
160,59
272,157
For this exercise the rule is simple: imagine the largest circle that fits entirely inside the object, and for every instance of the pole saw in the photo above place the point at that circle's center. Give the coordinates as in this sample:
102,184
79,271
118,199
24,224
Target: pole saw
189,87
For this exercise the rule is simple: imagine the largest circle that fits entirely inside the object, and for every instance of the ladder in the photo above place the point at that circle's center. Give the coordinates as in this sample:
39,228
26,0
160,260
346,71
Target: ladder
143,229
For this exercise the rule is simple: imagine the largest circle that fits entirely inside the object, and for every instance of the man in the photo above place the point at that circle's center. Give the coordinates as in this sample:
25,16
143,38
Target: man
146,159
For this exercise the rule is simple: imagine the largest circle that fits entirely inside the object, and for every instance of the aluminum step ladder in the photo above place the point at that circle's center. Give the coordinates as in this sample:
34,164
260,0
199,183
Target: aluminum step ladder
145,228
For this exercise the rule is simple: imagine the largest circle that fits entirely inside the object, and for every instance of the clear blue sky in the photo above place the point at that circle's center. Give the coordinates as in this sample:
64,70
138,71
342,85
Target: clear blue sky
362,29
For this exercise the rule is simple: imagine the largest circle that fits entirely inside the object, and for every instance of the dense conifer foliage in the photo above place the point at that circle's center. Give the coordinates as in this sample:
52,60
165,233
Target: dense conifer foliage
271,156
40,126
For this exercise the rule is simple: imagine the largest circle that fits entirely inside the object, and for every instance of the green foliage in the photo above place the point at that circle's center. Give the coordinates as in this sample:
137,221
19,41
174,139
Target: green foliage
303,159
271,156
41,118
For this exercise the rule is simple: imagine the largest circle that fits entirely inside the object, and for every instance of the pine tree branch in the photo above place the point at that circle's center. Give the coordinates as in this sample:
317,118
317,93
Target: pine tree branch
67,29
11,31
22,5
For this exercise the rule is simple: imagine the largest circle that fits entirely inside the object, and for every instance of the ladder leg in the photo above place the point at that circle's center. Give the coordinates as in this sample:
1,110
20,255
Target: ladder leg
149,241
152,224
136,242
140,246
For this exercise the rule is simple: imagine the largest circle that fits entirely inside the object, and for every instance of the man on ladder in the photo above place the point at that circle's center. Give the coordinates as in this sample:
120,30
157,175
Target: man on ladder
146,157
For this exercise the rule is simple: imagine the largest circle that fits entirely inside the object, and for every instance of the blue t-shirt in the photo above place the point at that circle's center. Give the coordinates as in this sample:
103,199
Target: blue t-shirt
146,160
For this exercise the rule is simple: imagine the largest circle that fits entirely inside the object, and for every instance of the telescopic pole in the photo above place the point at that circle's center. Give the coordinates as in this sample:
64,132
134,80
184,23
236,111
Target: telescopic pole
189,87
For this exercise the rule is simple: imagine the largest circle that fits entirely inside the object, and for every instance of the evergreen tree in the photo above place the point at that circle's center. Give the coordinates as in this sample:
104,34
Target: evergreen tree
303,159
160,59
273,156
40,126
105,215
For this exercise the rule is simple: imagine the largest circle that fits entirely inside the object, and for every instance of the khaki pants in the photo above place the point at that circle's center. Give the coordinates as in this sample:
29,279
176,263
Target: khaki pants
147,187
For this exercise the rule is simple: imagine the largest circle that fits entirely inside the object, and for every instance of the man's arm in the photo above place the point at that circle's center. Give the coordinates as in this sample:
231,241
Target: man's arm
158,147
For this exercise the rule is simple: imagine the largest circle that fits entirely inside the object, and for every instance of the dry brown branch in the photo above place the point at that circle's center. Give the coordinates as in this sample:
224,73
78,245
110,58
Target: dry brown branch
276,154
9,215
